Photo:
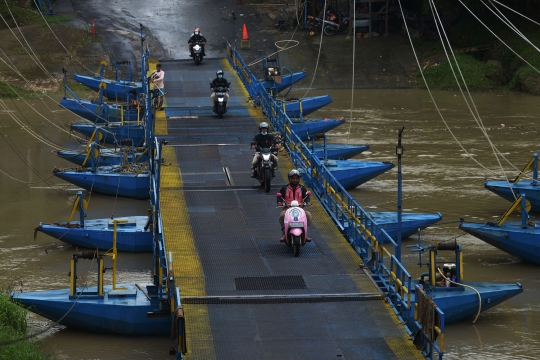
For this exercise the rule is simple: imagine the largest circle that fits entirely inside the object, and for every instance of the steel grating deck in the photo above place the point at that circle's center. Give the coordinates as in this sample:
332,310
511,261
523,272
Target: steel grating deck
244,294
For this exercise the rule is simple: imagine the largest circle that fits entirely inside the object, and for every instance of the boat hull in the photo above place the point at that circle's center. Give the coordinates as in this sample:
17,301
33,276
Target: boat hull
524,187
120,312
410,222
101,113
117,90
131,236
309,105
340,151
308,128
460,303
113,133
286,81
510,237
107,157
110,183
351,173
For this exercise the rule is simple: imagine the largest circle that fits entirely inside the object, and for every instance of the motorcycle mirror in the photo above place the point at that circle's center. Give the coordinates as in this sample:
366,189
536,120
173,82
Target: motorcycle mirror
308,193
278,195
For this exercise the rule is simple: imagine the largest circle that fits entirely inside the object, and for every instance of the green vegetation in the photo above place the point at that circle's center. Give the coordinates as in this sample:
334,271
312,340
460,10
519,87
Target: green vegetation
477,74
495,68
17,14
13,326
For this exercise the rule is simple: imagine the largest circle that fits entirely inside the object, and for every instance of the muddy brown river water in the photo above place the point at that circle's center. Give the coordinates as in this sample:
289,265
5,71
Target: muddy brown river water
439,175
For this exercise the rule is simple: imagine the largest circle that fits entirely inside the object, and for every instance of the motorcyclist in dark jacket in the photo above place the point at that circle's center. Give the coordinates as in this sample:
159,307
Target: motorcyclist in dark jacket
262,140
219,81
196,36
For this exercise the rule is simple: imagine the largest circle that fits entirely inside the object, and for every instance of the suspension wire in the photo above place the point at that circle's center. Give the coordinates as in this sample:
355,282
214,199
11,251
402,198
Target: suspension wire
41,66
498,38
56,102
36,59
33,56
430,93
60,42
28,165
85,286
4,171
32,87
516,12
507,22
57,147
353,66
280,48
475,113
319,54
25,127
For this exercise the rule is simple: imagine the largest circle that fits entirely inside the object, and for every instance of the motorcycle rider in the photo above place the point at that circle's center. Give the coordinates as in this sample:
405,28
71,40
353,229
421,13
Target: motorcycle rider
196,36
262,140
219,81
293,191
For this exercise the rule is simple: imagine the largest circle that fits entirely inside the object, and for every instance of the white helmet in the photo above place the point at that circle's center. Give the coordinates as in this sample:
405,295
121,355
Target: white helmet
295,203
294,172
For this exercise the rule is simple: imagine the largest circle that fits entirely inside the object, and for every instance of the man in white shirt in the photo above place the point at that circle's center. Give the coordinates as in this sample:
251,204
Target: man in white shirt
157,78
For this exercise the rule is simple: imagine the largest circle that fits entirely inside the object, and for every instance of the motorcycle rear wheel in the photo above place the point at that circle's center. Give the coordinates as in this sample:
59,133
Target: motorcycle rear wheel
267,179
329,30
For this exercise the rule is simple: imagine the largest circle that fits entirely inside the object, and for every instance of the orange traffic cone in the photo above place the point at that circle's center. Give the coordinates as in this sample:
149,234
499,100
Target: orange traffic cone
244,43
244,33
93,30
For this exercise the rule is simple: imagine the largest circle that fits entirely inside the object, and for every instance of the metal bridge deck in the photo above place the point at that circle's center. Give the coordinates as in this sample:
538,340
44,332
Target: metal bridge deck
244,294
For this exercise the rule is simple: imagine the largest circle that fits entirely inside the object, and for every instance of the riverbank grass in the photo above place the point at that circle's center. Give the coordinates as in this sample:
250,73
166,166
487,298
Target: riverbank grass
13,326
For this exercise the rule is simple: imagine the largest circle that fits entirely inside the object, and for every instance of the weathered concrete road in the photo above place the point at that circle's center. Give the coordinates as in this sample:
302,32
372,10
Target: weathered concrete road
168,25
381,62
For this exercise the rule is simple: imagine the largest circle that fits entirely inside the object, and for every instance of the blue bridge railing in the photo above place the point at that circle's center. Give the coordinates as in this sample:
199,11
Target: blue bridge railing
371,242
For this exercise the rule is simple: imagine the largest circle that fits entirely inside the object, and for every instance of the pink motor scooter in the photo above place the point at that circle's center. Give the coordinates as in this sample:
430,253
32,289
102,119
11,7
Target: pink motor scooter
296,224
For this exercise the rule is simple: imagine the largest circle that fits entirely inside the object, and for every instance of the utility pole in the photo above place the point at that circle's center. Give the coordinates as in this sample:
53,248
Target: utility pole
399,152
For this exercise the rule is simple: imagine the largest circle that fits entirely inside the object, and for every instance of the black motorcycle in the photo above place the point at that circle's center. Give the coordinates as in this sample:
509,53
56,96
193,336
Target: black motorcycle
265,166
220,101
198,52
331,26
314,24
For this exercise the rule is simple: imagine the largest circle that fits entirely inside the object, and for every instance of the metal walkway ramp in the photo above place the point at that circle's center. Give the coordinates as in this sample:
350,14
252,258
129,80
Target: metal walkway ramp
244,294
